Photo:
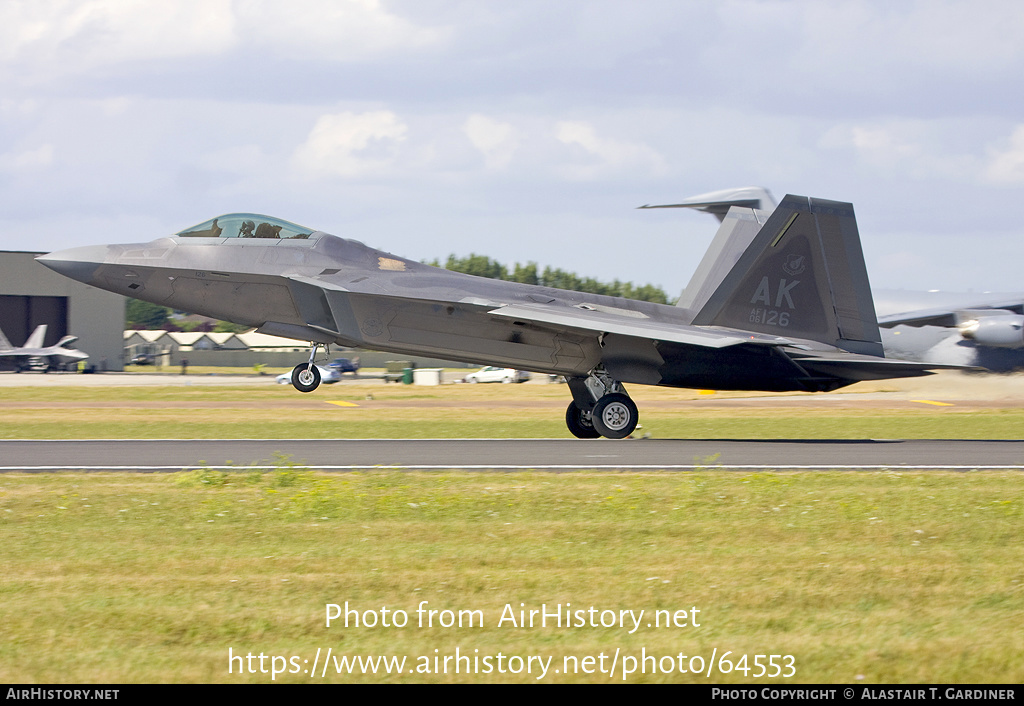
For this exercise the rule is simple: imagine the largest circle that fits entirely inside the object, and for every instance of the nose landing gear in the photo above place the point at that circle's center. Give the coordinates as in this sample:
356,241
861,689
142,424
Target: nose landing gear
306,376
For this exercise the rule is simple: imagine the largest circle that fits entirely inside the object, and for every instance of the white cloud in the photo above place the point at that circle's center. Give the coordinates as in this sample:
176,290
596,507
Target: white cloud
1007,166
52,38
339,30
880,145
497,141
870,41
921,149
77,35
39,158
601,154
351,145
946,34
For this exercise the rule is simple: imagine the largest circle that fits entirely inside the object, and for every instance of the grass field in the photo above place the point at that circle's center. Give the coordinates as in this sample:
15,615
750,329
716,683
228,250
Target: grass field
881,577
457,411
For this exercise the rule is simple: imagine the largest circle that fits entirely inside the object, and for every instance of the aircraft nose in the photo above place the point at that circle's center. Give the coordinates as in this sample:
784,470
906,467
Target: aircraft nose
77,263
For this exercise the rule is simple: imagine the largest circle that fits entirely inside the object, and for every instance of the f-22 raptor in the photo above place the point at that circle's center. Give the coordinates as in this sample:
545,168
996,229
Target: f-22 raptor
35,356
787,309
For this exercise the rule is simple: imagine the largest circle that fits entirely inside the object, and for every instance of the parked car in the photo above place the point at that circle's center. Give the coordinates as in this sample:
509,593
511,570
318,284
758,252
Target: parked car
345,365
327,376
494,374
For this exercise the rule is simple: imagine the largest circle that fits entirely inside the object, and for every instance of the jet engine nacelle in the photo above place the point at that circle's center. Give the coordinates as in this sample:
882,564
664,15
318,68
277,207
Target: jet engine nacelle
1005,331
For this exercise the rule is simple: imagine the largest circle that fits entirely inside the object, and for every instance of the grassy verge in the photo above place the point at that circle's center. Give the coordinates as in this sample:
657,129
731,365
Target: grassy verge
460,411
880,577
510,423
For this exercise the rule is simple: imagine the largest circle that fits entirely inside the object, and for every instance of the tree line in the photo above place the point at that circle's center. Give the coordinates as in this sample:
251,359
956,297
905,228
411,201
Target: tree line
530,273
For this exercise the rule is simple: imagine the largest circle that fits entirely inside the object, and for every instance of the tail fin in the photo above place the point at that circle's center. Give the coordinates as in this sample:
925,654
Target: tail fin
37,337
5,345
802,276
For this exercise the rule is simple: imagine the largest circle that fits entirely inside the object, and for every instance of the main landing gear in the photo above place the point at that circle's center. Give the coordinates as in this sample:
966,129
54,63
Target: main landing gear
600,407
306,376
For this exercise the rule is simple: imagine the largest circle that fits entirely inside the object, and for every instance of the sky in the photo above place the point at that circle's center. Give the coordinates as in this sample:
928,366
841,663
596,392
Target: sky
525,131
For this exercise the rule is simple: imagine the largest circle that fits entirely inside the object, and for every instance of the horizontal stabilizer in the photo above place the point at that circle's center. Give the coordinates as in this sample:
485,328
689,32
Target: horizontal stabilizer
859,368
718,203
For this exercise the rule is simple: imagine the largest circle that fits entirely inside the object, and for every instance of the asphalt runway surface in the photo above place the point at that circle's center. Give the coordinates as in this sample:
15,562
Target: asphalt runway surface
513,454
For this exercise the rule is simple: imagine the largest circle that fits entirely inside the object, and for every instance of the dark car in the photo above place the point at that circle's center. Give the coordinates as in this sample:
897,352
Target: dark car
344,365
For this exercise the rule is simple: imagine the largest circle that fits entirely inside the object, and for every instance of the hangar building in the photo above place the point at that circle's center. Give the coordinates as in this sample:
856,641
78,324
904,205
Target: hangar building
31,294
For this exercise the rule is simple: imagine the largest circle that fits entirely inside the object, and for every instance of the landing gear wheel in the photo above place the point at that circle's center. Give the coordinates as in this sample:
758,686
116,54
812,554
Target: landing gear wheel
615,416
579,423
305,377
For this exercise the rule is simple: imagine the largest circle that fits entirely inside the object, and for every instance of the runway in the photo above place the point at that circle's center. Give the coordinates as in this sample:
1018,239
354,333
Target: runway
512,454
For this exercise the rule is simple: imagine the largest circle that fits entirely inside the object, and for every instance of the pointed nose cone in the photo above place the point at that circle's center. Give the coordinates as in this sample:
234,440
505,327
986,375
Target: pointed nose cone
77,263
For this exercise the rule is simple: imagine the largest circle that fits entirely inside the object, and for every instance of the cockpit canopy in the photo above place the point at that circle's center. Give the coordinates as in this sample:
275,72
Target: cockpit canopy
247,225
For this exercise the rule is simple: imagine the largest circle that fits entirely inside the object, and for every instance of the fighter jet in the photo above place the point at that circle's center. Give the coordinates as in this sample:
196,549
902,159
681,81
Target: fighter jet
984,331
35,356
780,302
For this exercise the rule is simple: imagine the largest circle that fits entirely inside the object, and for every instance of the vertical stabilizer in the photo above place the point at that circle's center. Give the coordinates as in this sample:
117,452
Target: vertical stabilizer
37,337
803,276
5,345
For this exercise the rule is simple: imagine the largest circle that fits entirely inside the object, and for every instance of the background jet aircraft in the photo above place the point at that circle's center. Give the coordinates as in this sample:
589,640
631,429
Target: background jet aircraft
977,330
789,309
35,356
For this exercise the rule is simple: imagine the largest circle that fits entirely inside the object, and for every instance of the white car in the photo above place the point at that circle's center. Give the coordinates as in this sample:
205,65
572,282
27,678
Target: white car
327,376
493,374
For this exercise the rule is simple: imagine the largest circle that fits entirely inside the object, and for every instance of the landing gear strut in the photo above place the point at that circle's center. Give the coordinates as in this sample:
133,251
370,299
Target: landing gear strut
600,407
306,376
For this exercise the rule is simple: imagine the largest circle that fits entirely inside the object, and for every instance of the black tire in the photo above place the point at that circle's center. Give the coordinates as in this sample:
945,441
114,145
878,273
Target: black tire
305,377
579,424
615,416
